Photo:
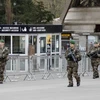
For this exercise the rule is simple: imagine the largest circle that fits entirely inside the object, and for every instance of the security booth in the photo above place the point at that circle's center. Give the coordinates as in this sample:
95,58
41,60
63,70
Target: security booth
26,40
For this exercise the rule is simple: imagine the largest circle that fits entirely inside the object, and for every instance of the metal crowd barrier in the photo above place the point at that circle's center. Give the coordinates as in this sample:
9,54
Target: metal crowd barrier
85,67
15,60
43,67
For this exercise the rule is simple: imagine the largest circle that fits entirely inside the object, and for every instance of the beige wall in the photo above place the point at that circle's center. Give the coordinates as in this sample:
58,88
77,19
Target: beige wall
82,19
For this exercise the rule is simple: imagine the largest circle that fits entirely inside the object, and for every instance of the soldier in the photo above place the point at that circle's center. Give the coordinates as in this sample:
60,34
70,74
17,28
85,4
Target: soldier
99,44
93,55
72,56
3,59
99,52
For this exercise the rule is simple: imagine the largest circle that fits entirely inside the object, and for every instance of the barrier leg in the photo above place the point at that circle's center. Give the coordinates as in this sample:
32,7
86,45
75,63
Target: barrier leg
30,77
47,73
85,66
7,77
65,74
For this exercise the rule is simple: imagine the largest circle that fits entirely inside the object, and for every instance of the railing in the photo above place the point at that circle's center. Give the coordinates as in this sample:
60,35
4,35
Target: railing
43,67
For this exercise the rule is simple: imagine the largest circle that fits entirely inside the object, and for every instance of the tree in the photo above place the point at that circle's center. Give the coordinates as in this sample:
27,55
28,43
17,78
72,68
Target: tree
2,12
8,11
27,12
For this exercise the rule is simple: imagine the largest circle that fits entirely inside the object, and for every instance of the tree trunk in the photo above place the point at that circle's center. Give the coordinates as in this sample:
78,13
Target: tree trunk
8,11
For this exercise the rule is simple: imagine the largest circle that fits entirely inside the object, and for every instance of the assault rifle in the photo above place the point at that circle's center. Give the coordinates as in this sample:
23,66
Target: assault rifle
93,54
72,55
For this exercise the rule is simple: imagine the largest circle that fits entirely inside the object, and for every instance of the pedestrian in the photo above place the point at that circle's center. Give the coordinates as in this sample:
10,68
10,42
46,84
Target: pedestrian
93,55
72,56
3,59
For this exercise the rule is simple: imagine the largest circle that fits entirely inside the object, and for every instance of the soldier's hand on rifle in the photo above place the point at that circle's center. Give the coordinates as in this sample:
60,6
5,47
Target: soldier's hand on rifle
69,55
88,55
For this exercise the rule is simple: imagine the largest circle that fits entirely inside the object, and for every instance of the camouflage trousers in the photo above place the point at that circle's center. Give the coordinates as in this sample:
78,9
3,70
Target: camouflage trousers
72,70
2,68
95,64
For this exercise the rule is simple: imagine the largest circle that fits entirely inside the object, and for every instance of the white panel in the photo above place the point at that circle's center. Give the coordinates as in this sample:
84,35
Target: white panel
80,28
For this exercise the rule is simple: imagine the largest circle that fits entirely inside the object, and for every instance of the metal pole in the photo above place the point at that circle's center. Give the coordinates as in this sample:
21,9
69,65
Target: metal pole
86,43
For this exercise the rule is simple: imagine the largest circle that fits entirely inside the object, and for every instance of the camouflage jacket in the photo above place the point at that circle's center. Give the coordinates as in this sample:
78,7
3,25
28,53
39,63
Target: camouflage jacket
76,54
4,54
94,53
98,52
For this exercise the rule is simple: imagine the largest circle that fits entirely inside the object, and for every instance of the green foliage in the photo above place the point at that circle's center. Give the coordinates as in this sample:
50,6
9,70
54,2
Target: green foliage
2,12
28,12
55,6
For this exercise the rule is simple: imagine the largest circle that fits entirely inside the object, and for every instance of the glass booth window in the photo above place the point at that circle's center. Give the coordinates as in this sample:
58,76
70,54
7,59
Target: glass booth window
57,43
65,45
33,41
18,44
42,44
53,43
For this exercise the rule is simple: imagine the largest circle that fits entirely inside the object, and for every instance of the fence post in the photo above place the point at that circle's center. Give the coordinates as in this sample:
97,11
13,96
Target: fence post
60,65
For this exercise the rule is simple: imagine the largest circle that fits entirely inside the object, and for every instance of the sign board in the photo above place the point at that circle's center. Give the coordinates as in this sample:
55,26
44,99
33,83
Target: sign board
30,29
65,35
86,34
48,39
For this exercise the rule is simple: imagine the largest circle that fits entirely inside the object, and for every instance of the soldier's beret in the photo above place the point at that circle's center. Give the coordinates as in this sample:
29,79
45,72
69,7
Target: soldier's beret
2,41
95,42
72,42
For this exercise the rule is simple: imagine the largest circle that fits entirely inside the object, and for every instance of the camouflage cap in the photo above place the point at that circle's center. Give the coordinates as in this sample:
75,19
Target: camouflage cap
2,41
72,42
95,42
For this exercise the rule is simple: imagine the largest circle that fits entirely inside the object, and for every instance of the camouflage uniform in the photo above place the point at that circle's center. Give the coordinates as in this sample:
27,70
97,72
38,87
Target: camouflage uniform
72,67
3,59
99,53
94,61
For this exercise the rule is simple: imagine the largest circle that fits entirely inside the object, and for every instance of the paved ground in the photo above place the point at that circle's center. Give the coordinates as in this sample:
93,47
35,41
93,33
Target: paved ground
54,89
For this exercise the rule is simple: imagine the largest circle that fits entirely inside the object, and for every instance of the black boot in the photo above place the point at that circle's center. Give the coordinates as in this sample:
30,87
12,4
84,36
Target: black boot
70,85
97,77
94,77
78,82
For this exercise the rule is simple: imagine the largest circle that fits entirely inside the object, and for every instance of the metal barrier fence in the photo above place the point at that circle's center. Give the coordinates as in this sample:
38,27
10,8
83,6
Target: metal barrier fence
42,67
84,65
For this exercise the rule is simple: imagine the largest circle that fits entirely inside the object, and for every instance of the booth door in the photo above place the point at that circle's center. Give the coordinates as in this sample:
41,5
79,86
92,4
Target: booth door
55,51
41,51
